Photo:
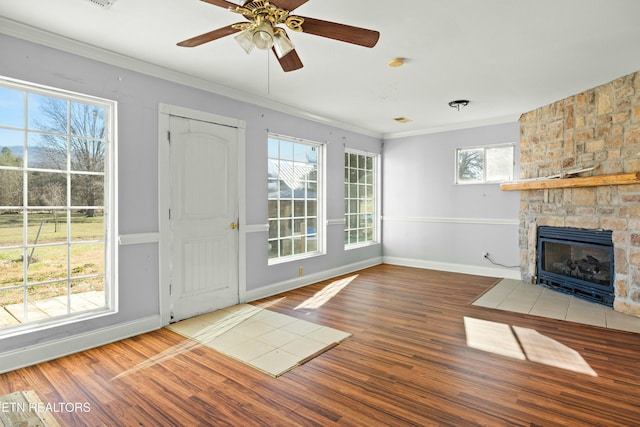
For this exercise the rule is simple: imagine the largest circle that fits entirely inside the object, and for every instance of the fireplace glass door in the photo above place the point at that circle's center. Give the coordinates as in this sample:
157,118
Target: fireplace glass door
577,261
584,262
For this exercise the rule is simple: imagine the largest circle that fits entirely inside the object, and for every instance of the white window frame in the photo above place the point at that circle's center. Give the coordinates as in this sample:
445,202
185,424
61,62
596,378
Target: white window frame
484,179
319,235
374,200
109,206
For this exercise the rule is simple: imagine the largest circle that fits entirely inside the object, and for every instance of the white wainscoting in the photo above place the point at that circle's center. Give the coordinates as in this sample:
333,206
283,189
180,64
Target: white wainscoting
489,271
298,282
60,347
138,239
450,220
454,268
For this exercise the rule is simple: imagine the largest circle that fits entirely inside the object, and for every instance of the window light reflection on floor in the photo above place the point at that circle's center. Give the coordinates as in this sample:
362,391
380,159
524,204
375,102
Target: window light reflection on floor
328,292
523,344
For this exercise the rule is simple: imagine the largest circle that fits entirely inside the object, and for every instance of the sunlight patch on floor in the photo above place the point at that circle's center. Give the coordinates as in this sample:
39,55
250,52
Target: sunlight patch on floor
523,344
325,295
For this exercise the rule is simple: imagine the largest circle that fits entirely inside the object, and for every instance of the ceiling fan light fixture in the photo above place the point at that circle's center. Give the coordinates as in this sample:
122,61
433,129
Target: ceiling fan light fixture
282,44
263,36
245,40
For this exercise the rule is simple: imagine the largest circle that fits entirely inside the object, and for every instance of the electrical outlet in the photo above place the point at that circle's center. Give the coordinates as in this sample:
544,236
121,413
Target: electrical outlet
300,271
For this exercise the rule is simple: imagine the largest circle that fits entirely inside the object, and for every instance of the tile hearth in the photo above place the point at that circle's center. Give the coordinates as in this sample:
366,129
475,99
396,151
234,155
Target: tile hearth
521,297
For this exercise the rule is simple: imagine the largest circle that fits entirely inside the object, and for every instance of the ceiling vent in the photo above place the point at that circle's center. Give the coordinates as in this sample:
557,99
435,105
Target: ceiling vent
103,3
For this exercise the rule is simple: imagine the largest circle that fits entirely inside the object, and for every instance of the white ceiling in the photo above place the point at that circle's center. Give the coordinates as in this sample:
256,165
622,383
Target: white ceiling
506,56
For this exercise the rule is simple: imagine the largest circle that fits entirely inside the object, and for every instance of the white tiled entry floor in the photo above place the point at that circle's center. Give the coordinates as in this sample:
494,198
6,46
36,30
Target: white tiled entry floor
271,342
521,297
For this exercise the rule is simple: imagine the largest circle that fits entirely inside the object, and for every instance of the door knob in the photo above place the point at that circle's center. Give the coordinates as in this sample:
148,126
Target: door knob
234,225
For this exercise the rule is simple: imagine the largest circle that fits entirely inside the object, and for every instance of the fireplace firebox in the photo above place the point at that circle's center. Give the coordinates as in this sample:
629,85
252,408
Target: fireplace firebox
577,261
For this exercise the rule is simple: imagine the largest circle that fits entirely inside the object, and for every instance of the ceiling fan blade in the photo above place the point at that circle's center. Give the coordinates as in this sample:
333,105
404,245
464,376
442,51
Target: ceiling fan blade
290,62
342,32
210,36
222,3
289,5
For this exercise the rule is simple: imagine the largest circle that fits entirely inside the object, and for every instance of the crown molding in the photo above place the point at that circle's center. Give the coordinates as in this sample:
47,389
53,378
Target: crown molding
55,41
453,127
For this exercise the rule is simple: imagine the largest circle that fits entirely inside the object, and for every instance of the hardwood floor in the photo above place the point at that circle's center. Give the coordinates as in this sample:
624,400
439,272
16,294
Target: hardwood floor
407,364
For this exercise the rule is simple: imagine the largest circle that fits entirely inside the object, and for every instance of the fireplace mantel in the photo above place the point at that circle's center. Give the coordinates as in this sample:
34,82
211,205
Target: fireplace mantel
589,181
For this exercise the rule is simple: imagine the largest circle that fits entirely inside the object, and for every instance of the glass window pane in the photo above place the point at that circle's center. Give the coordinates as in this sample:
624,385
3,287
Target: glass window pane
273,229
47,189
86,228
87,190
12,302
470,165
11,147
272,209
11,273
87,260
47,151
47,113
312,208
87,155
273,248
46,263
11,109
11,229
312,224
286,247
47,300
47,227
87,294
273,186
285,208
87,120
286,150
273,148
11,190
500,163
286,228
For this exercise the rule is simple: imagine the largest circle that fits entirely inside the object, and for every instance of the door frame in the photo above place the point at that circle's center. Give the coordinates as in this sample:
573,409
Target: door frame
165,111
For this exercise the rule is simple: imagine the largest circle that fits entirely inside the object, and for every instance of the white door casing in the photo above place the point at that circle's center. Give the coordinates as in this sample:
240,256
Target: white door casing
199,231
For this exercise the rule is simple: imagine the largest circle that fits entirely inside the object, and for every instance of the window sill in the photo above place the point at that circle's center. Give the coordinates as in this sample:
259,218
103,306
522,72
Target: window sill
360,245
284,260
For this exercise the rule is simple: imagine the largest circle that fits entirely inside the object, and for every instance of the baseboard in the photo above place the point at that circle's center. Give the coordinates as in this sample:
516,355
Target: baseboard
298,282
39,353
455,268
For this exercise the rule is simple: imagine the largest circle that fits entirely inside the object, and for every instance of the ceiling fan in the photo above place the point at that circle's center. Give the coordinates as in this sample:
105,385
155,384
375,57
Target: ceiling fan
266,29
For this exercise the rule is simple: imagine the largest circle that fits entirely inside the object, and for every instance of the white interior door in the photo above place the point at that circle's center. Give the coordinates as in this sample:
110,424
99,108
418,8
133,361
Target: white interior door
203,240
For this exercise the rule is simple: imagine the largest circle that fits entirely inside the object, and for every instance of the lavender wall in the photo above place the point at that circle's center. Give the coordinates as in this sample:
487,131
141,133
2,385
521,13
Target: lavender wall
138,96
431,222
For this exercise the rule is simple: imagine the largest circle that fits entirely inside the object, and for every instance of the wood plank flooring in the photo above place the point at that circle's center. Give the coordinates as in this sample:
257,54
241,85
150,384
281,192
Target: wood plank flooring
407,364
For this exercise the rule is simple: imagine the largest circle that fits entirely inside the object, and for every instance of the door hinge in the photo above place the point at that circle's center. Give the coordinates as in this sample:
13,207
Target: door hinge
169,136
170,289
169,214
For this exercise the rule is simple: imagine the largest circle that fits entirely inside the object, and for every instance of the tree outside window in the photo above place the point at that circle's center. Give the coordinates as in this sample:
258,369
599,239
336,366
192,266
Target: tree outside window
485,164
54,242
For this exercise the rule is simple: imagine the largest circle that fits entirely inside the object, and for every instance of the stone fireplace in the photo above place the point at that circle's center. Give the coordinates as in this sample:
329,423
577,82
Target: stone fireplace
598,129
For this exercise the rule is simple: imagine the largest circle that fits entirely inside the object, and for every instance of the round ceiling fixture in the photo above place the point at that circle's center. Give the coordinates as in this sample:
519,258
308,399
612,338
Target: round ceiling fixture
396,62
460,103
